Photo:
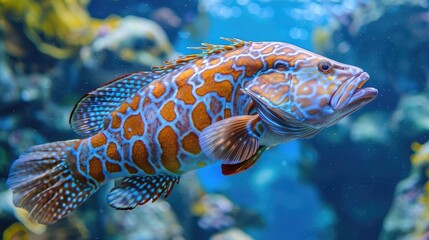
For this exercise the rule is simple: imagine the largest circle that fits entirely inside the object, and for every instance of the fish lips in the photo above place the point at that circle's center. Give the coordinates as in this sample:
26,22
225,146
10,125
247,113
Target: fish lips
350,94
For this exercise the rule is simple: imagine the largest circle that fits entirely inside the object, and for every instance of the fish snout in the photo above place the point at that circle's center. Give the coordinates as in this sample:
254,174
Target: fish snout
351,92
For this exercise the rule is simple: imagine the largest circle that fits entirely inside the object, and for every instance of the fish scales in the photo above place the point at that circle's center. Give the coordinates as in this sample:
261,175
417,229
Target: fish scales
176,108
228,104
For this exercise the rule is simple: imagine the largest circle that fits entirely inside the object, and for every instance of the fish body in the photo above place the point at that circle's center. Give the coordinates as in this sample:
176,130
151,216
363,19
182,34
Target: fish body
228,104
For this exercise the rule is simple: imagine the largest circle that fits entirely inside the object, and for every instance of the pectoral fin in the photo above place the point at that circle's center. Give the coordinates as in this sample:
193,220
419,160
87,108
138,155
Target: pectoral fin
232,140
229,169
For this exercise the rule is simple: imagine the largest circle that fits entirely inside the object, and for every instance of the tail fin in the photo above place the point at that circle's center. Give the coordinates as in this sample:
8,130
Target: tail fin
43,183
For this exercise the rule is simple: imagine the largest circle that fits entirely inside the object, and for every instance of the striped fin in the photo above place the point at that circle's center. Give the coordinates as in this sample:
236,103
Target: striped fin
136,190
232,140
43,183
88,115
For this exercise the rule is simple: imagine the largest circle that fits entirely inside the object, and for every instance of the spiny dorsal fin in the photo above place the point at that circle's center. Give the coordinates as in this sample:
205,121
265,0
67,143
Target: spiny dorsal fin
88,115
207,49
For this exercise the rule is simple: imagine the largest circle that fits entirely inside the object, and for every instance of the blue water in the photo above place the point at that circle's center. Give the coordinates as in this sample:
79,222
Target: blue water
337,185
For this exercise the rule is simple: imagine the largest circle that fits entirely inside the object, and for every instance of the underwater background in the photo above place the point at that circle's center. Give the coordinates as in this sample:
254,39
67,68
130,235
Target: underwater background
363,178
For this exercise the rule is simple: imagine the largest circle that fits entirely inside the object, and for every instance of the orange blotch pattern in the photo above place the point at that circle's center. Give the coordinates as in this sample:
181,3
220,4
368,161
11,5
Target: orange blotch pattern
112,167
116,121
295,80
323,102
167,139
133,125
98,140
226,113
268,50
190,143
135,102
184,93
273,94
200,117
198,63
304,102
183,77
167,111
314,112
232,53
96,169
214,61
158,89
253,65
139,157
130,169
271,58
112,151
223,89
123,108
302,56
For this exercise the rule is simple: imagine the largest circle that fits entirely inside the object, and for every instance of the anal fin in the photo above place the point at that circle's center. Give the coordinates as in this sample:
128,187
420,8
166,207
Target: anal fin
133,191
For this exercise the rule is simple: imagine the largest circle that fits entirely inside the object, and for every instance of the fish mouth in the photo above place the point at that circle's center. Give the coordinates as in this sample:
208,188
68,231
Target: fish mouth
351,96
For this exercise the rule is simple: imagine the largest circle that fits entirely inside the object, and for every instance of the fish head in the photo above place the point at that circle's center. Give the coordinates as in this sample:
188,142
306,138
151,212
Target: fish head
302,89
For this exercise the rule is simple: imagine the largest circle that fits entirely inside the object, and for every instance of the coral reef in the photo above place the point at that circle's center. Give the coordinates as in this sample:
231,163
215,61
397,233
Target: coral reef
52,52
71,228
46,23
156,221
408,217
411,115
177,18
134,45
231,234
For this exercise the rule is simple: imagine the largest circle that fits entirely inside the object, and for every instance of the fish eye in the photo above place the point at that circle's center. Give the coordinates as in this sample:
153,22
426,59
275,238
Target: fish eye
324,67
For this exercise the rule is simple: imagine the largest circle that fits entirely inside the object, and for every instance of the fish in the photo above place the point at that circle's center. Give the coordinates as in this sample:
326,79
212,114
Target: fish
227,104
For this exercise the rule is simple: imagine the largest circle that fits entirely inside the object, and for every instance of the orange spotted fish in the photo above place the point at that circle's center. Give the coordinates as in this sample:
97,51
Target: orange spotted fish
228,104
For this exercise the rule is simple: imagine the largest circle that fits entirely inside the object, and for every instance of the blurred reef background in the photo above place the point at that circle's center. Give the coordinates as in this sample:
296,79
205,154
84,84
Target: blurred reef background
364,178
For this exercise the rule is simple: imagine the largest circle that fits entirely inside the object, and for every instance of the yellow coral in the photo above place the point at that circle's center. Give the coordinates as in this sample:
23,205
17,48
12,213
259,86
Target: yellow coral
57,28
415,146
23,216
420,161
16,231
421,154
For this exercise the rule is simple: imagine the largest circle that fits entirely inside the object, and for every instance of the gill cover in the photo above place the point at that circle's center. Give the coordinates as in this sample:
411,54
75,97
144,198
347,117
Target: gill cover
270,93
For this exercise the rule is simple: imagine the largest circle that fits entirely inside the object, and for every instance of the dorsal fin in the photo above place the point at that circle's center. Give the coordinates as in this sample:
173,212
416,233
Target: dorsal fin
207,49
88,115
90,111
